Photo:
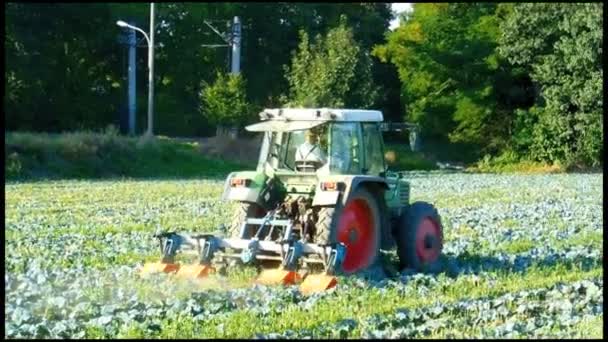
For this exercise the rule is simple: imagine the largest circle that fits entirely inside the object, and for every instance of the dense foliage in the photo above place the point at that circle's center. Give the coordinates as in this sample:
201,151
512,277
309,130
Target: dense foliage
89,155
561,48
454,83
66,70
523,79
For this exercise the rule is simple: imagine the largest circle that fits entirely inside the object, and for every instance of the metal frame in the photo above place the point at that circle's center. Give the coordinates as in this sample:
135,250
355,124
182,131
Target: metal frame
289,251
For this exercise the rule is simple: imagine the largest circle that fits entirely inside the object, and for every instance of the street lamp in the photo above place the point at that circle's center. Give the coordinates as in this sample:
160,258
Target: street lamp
150,62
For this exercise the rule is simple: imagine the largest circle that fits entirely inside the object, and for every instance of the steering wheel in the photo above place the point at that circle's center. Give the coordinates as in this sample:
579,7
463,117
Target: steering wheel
302,165
285,164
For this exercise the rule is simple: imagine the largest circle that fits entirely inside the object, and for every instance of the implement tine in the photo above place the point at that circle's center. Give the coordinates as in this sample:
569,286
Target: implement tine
318,283
278,276
158,267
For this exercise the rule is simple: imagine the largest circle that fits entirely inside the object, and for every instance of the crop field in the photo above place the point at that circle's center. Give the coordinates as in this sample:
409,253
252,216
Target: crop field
523,257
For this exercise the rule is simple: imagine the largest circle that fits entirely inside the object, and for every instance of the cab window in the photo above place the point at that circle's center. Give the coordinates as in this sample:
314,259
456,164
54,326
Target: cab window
345,157
374,159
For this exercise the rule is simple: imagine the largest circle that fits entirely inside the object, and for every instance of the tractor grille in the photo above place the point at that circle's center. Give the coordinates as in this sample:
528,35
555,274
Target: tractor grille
404,193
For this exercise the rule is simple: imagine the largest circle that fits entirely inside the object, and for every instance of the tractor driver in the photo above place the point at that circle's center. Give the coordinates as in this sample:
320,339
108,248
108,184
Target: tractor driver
310,152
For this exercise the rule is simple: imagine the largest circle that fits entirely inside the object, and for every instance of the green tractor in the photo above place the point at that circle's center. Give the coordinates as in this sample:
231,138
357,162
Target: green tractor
321,197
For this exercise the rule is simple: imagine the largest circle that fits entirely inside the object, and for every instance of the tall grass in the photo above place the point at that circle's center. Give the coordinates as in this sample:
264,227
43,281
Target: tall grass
31,156
509,161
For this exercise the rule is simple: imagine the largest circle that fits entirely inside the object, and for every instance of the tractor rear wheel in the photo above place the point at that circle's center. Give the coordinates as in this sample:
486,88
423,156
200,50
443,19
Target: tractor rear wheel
243,211
324,224
357,225
419,237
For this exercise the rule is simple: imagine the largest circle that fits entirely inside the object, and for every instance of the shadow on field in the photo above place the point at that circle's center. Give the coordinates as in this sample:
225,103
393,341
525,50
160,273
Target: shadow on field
467,263
472,263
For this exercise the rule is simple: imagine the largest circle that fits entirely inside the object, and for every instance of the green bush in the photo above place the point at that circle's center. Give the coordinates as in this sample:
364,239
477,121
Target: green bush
224,101
511,161
96,155
13,165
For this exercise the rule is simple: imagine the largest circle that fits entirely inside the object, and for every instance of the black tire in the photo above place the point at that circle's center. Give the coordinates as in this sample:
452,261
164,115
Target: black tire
324,225
405,236
243,211
386,237
328,218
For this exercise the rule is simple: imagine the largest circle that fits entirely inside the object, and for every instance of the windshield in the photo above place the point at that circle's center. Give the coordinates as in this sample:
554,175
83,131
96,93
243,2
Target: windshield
345,157
329,148
290,148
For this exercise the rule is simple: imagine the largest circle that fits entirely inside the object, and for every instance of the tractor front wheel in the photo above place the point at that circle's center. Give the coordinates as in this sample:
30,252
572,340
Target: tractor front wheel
419,237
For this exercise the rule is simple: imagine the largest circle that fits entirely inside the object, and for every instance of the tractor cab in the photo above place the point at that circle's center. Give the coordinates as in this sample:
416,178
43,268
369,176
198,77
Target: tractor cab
321,142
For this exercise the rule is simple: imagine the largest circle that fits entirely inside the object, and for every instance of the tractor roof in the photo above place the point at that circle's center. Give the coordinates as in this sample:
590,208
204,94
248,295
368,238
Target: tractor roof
293,119
323,114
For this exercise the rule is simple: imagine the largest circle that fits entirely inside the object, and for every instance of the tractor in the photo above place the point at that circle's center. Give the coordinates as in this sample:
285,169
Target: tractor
321,199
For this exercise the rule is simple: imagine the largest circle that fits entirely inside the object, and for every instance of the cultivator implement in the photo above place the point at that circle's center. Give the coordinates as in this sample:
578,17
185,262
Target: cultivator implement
290,252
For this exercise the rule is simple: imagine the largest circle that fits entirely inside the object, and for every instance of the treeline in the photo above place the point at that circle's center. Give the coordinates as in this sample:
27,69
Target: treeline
519,81
523,81
66,70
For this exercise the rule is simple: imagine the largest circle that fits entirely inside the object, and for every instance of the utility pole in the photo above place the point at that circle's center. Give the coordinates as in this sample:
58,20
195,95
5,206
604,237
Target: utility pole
232,40
150,67
132,81
151,71
236,46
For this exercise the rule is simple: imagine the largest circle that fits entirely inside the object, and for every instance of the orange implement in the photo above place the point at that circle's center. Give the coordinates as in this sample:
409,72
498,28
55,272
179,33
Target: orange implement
278,276
158,267
194,271
317,283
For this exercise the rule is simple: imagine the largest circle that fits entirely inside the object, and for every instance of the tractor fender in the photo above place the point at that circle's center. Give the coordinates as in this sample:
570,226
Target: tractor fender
328,197
375,183
249,193
347,185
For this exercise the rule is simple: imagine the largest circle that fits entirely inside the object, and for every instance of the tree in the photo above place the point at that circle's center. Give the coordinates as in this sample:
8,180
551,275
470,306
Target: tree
560,45
61,72
453,81
333,71
272,31
65,69
224,102
181,63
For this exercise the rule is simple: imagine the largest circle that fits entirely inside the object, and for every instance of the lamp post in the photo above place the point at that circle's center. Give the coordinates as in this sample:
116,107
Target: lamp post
150,63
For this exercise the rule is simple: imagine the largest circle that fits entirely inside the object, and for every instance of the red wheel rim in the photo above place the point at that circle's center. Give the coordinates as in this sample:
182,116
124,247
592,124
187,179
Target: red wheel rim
356,231
428,240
